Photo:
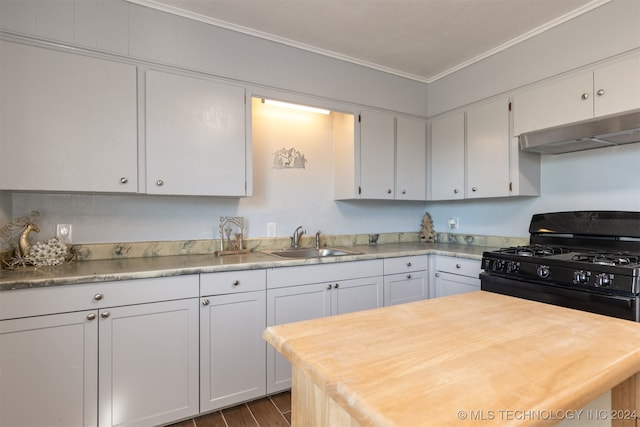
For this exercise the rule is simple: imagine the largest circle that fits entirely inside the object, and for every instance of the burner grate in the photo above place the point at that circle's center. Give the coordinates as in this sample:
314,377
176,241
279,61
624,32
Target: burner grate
607,258
533,250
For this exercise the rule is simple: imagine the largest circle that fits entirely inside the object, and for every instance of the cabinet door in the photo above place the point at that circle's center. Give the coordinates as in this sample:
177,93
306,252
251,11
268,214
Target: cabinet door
292,304
447,157
377,155
488,150
195,136
356,294
232,351
411,143
406,287
617,87
561,101
451,284
49,370
69,122
148,363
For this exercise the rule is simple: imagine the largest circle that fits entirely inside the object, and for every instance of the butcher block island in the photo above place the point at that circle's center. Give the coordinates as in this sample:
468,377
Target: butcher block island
472,359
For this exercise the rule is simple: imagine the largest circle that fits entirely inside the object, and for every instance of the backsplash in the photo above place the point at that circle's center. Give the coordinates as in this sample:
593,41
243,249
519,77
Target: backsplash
98,251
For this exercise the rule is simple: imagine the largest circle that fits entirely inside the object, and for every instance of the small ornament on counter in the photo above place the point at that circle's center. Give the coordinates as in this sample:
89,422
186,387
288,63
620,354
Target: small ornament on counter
17,233
427,233
231,236
373,239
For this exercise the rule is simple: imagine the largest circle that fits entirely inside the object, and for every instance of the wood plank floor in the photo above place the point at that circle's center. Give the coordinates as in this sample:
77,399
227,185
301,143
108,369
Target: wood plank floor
270,411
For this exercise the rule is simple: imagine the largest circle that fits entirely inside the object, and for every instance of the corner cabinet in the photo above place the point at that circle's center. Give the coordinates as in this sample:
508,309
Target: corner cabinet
123,353
308,292
381,156
472,155
607,89
195,136
454,276
69,121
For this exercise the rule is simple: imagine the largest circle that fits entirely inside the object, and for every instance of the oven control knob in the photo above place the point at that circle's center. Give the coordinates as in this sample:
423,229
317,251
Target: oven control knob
581,276
604,279
513,267
498,265
543,271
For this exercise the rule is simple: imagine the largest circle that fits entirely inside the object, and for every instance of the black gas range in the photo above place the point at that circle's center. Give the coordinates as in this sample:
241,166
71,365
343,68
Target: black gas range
587,260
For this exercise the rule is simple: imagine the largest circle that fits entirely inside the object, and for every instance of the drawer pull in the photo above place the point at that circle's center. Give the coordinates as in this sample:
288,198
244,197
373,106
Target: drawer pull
235,283
205,302
336,285
437,274
458,266
105,314
408,264
329,286
408,276
98,297
91,316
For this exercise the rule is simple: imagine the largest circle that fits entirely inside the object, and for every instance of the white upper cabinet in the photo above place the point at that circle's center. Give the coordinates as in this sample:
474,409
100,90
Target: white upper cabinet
488,150
69,122
377,155
607,89
447,157
411,166
195,136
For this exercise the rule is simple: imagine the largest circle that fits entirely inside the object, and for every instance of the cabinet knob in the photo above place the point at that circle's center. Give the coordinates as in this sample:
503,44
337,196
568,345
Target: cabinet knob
105,314
455,191
408,276
235,283
474,188
585,95
437,274
389,191
159,183
91,316
600,92
458,266
336,285
408,264
404,191
329,286
205,302
98,297
124,180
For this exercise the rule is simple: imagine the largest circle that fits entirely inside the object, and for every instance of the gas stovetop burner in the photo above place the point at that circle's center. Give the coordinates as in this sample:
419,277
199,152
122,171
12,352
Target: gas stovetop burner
533,250
615,259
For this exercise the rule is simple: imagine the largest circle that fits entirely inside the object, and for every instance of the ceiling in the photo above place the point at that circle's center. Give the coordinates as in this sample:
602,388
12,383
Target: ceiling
419,39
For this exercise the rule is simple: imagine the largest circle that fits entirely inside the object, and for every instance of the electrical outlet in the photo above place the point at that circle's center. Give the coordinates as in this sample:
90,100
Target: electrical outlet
63,233
454,223
271,229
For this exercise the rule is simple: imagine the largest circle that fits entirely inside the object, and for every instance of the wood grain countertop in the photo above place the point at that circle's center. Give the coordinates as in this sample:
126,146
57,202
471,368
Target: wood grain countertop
470,359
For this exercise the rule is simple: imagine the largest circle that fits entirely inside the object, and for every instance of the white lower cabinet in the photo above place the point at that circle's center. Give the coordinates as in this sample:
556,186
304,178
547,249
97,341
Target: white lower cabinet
232,351
455,276
405,279
131,359
330,289
49,370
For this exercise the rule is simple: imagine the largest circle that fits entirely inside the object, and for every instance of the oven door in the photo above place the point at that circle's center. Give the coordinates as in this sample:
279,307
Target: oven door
620,306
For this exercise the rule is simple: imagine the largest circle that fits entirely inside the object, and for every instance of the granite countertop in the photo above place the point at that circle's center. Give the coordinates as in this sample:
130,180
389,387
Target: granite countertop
162,266
469,359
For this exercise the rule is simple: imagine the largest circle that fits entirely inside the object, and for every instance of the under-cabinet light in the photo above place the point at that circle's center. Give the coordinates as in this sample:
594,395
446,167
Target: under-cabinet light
295,106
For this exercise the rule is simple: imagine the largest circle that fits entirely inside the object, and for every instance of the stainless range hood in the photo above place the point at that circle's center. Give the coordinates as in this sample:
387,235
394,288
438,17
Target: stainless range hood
597,133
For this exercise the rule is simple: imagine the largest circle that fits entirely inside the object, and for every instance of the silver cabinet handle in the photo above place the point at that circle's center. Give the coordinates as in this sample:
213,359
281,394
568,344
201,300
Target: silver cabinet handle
205,302
235,283
389,191
98,297
474,189
329,286
600,92
455,191
336,285
105,314
458,266
404,191
408,276
91,316
159,183
124,180
437,274
408,264
585,95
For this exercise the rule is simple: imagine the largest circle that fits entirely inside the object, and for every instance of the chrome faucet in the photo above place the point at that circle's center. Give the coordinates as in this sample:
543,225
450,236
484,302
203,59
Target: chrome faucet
295,239
318,240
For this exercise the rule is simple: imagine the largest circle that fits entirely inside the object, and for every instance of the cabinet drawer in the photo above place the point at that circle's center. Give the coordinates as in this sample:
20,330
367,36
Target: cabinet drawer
230,282
405,264
318,273
60,299
461,266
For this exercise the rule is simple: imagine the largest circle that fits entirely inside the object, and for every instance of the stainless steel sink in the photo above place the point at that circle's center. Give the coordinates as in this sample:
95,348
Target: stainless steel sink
309,252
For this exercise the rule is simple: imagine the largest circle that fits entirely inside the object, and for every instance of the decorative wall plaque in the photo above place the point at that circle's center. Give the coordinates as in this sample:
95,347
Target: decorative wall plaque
289,159
231,236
